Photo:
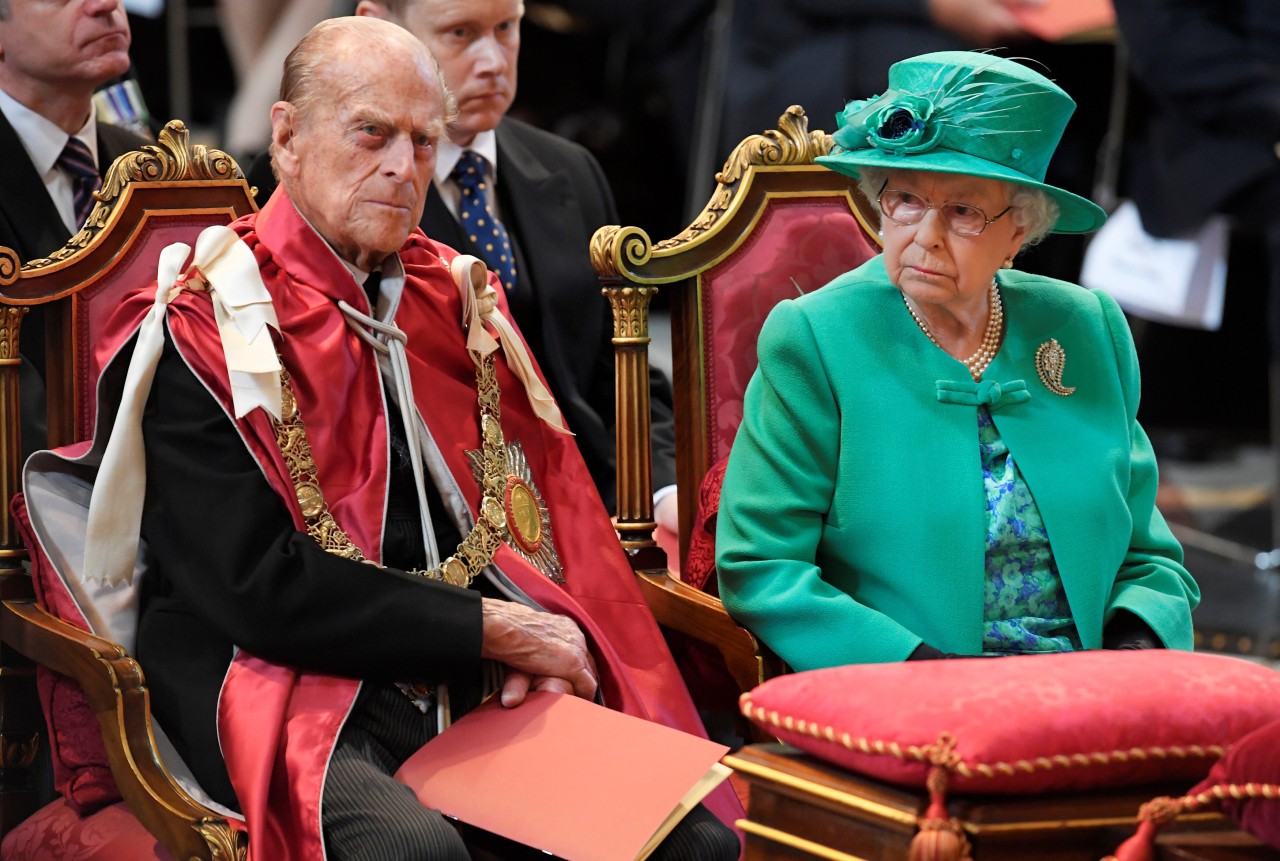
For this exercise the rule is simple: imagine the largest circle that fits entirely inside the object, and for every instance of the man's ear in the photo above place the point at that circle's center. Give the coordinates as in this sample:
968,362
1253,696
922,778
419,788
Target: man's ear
372,9
284,131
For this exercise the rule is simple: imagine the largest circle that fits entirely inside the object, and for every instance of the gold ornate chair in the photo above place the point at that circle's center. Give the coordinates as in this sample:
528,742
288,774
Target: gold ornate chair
776,225
149,199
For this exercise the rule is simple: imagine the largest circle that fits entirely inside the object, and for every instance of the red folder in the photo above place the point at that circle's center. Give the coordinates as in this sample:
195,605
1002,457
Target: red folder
566,776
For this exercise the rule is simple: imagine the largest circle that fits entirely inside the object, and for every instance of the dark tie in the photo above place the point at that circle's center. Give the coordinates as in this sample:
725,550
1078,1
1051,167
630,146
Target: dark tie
475,211
78,162
372,287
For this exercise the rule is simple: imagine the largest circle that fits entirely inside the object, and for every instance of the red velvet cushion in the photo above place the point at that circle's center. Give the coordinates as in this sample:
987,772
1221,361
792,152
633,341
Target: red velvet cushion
81,772
1247,779
1050,722
56,833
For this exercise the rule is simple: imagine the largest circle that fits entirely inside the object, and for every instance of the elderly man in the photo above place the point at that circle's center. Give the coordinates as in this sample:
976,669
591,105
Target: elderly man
545,196
405,421
52,147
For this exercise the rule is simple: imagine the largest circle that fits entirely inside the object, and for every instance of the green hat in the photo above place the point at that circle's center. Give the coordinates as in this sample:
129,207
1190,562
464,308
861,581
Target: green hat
964,112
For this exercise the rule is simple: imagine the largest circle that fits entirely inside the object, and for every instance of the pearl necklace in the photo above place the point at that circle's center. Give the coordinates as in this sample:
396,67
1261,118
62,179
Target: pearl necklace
978,362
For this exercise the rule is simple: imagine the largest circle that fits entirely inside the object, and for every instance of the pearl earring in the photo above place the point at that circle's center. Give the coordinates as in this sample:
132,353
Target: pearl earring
1008,263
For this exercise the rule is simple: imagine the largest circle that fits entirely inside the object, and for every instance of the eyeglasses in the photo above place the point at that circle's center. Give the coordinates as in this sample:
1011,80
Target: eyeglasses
907,207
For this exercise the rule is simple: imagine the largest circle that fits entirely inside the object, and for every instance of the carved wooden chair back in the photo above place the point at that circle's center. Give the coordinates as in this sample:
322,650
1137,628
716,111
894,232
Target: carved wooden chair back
149,200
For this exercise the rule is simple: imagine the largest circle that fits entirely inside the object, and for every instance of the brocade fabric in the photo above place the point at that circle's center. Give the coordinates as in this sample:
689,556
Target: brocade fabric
56,833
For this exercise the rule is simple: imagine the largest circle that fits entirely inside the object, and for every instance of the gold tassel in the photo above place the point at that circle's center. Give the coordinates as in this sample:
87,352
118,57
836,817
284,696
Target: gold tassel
1142,845
941,837
939,840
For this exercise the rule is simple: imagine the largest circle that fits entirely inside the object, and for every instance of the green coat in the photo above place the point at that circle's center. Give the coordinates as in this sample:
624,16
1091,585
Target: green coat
852,524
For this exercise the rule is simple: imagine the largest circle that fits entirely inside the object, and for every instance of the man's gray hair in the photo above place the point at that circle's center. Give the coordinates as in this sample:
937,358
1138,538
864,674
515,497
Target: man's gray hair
1033,208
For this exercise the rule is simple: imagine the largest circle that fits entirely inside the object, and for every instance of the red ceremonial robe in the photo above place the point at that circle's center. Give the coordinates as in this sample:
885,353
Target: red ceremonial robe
277,725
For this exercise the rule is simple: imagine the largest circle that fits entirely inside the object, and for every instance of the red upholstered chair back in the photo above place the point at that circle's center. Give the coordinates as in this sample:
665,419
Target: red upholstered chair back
91,305
149,200
777,225
796,245
153,199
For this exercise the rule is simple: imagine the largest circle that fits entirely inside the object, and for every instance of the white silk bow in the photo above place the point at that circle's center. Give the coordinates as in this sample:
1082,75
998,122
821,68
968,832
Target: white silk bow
480,306
243,309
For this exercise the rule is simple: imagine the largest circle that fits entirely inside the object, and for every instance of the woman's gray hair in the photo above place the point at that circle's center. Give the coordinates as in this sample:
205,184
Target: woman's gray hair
1033,208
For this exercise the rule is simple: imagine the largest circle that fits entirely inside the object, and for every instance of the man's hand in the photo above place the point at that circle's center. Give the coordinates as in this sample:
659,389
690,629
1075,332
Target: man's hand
545,652
667,513
986,23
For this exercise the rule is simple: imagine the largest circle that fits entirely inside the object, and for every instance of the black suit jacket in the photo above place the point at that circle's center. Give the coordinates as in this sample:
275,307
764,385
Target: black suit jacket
817,54
29,222
242,575
1203,137
30,225
553,196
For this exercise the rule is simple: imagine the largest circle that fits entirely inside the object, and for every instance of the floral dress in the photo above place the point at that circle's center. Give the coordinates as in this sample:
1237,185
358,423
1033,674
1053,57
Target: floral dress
1025,606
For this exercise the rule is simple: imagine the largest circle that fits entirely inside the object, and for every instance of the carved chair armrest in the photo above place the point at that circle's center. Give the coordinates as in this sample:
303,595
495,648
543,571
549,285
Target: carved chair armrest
115,688
679,606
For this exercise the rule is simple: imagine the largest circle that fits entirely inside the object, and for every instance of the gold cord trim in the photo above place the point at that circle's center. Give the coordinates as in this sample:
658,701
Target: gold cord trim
1219,792
927,753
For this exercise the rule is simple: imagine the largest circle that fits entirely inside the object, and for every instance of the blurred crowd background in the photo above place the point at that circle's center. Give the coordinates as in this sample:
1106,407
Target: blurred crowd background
654,89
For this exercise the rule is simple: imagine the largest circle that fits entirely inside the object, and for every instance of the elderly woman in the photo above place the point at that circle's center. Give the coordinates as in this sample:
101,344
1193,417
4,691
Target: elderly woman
939,454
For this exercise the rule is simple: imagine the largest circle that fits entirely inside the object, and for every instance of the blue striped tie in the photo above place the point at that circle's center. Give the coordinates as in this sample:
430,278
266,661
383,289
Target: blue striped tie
483,228
78,162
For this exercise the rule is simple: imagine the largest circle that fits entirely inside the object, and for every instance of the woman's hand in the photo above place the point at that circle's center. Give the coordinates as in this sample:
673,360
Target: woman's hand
1127,631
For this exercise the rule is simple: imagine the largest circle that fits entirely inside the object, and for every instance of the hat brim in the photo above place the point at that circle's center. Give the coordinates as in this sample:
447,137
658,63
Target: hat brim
1076,214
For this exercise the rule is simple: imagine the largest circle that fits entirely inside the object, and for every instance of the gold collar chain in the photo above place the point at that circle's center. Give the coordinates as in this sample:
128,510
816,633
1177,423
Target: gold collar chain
477,548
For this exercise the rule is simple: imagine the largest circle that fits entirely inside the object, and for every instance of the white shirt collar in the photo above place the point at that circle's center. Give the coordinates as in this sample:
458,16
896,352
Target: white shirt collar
485,143
41,137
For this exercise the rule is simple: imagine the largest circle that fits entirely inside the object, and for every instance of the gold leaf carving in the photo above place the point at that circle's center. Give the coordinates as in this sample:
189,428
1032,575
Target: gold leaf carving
616,249
10,321
174,159
790,143
225,843
9,265
630,311
611,245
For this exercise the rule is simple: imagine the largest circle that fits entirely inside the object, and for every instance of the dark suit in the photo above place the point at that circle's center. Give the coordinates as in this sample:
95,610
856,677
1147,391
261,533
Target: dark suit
817,54
1207,117
29,221
553,196
1201,138
30,224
